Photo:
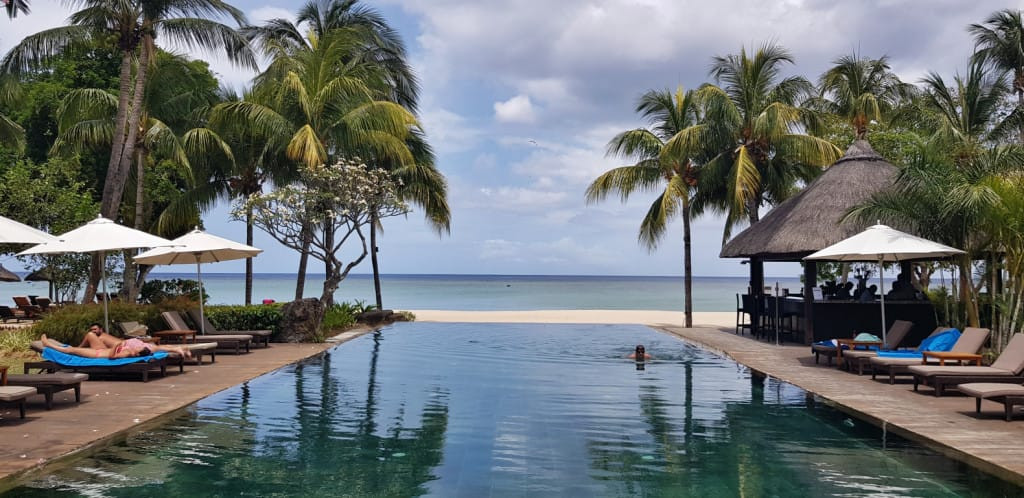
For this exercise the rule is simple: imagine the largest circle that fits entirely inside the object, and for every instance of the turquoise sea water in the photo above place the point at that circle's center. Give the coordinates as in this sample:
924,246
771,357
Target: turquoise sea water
472,410
478,292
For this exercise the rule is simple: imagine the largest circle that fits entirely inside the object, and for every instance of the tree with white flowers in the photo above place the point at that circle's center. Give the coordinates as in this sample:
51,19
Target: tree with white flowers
338,202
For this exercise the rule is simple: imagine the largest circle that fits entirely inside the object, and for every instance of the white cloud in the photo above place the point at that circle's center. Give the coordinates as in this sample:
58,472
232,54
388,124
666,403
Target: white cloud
518,109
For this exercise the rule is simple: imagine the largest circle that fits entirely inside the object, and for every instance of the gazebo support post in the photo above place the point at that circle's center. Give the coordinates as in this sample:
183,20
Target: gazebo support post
757,291
810,282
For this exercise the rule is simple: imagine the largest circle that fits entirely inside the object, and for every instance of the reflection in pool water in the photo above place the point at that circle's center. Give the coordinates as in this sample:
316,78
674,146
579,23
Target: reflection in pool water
513,409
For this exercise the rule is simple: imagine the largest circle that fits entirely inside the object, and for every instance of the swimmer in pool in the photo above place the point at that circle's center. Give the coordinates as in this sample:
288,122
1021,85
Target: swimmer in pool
639,354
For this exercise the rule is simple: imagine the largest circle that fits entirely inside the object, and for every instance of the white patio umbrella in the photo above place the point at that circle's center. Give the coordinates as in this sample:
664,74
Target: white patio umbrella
882,244
99,235
198,247
13,232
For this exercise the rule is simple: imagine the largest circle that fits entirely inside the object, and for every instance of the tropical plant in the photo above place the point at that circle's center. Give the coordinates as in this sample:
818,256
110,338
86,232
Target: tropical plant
657,168
751,142
14,7
862,91
326,94
11,133
947,200
1000,41
133,26
86,121
752,136
327,208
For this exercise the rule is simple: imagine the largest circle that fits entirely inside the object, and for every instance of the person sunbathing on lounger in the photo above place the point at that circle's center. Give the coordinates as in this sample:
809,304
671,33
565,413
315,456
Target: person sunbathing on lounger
122,349
95,333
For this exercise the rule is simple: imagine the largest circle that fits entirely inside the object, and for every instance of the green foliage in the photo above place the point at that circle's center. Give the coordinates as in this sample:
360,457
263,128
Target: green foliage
340,316
252,317
158,291
69,323
16,340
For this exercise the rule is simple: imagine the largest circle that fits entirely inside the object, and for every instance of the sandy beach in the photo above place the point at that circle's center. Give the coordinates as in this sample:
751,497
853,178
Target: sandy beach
717,319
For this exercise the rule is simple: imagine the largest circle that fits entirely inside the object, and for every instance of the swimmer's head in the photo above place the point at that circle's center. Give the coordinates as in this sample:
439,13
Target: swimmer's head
639,350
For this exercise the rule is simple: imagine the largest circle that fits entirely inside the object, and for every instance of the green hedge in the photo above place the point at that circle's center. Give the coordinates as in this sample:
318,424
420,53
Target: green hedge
69,323
252,317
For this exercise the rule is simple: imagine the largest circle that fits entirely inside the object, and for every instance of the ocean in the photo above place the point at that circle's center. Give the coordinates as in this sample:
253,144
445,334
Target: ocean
475,292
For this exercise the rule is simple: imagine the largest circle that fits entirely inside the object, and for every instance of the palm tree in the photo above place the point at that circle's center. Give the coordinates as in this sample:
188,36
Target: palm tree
965,117
11,133
379,46
1000,40
861,90
752,137
233,161
14,7
86,121
133,26
657,167
328,101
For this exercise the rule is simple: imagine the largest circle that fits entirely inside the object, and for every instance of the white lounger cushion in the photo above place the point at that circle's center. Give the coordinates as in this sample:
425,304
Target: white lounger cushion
15,393
991,389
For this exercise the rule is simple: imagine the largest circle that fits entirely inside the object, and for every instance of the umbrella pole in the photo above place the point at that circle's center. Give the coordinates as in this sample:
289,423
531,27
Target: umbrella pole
106,297
202,315
881,294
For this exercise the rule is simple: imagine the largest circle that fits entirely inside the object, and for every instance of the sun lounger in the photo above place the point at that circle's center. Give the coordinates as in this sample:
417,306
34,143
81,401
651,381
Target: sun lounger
29,311
1009,395
970,342
225,342
54,361
16,395
859,357
258,336
1009,367
6,313
48,384
896,333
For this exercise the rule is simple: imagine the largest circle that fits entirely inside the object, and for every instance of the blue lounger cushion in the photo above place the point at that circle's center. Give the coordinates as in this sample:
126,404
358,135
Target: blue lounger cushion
71,360
943,341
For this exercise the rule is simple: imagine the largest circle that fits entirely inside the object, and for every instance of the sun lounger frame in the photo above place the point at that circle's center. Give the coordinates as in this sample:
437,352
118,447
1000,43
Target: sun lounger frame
142,367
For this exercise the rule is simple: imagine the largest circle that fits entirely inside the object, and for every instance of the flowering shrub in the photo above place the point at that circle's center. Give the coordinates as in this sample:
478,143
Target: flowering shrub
326,209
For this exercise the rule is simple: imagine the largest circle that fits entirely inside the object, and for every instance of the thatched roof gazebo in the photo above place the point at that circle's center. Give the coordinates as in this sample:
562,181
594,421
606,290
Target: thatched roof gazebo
812,219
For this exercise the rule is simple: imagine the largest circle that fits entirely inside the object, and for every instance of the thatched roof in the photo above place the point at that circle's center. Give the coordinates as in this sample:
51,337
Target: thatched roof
810,220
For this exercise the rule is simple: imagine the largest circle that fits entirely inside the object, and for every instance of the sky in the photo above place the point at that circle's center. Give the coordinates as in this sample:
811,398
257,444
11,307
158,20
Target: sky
519,99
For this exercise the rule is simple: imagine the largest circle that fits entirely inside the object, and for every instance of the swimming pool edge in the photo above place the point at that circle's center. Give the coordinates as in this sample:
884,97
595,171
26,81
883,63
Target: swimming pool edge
710,339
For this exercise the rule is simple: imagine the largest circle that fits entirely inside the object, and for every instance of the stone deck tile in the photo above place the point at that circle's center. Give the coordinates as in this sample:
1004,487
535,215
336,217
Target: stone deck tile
111,408
947,424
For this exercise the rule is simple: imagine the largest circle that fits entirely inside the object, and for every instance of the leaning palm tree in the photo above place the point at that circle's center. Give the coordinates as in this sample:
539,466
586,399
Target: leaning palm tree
1000,41
133,27
862,90
965,115
657,167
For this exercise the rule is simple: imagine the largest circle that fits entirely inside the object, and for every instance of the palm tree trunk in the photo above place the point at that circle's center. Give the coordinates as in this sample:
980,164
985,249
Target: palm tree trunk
330,266
248,261
373,260
108,205
134,118
131,286
967,292
687,265
300,275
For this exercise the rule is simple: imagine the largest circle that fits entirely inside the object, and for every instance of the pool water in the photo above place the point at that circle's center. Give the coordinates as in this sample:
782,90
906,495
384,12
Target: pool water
513,410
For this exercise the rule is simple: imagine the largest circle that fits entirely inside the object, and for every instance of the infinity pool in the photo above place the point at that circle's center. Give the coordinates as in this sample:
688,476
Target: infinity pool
514,410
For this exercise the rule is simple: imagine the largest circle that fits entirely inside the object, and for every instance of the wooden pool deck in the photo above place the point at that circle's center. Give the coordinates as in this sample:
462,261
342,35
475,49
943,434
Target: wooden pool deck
110,409
947,424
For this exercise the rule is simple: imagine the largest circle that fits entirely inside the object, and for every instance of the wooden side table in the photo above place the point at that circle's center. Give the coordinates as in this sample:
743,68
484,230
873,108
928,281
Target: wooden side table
852,344
942,356
182,336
